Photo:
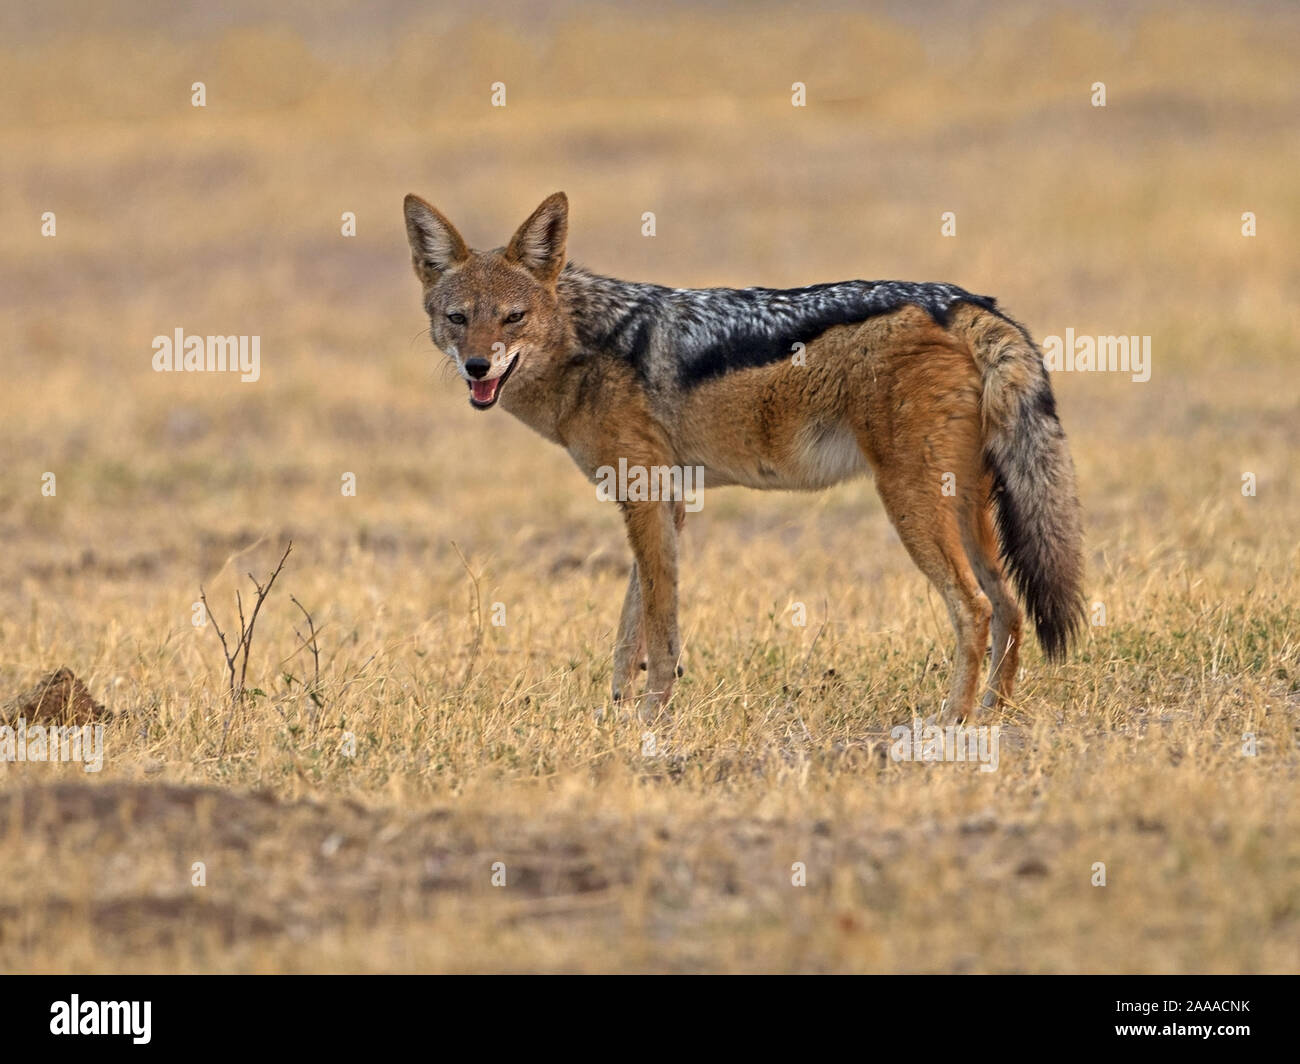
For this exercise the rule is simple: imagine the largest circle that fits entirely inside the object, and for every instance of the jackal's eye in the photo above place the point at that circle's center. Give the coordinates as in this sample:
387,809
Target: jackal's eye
457,318
514,316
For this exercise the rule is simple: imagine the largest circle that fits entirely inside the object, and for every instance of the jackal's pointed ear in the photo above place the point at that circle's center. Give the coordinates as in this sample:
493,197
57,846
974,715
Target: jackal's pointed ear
435,244
538,246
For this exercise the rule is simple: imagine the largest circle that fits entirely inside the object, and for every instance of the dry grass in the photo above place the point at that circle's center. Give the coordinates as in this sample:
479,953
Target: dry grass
477,743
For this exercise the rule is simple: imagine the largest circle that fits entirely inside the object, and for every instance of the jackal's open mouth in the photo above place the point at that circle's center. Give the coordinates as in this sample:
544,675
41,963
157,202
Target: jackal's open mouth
483,394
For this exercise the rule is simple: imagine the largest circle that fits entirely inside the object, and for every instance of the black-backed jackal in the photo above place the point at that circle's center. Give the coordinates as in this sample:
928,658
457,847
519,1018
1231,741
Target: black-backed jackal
934,390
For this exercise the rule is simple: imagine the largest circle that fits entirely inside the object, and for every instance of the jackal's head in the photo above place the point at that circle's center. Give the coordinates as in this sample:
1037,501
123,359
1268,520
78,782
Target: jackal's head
494,313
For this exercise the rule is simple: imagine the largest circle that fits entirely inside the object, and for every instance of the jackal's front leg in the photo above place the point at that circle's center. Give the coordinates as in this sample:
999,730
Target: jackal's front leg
652,532
629,646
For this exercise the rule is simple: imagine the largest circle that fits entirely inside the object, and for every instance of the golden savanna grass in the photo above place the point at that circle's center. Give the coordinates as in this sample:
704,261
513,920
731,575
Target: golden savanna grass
477,743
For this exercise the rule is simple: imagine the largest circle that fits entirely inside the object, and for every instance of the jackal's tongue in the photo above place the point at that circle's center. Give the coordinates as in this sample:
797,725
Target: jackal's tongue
483,391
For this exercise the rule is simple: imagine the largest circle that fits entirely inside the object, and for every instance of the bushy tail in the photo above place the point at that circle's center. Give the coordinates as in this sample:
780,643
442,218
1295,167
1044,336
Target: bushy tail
1038,519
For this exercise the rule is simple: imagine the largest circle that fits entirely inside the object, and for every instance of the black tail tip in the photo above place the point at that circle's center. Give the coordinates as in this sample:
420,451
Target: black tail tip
1058,626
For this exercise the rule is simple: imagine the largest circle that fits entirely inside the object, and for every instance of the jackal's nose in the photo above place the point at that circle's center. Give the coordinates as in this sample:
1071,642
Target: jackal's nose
477,367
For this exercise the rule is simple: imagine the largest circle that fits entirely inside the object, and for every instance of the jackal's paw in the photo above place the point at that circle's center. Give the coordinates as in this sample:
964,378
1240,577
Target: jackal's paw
654,709
947,717
656,717
934,720
618,713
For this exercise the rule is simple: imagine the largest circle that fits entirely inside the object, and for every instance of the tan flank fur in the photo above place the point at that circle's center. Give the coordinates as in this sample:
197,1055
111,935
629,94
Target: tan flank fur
932,390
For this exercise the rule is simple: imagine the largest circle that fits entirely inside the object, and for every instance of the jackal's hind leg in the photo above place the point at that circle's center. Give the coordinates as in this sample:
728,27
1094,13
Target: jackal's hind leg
982,550
929,526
